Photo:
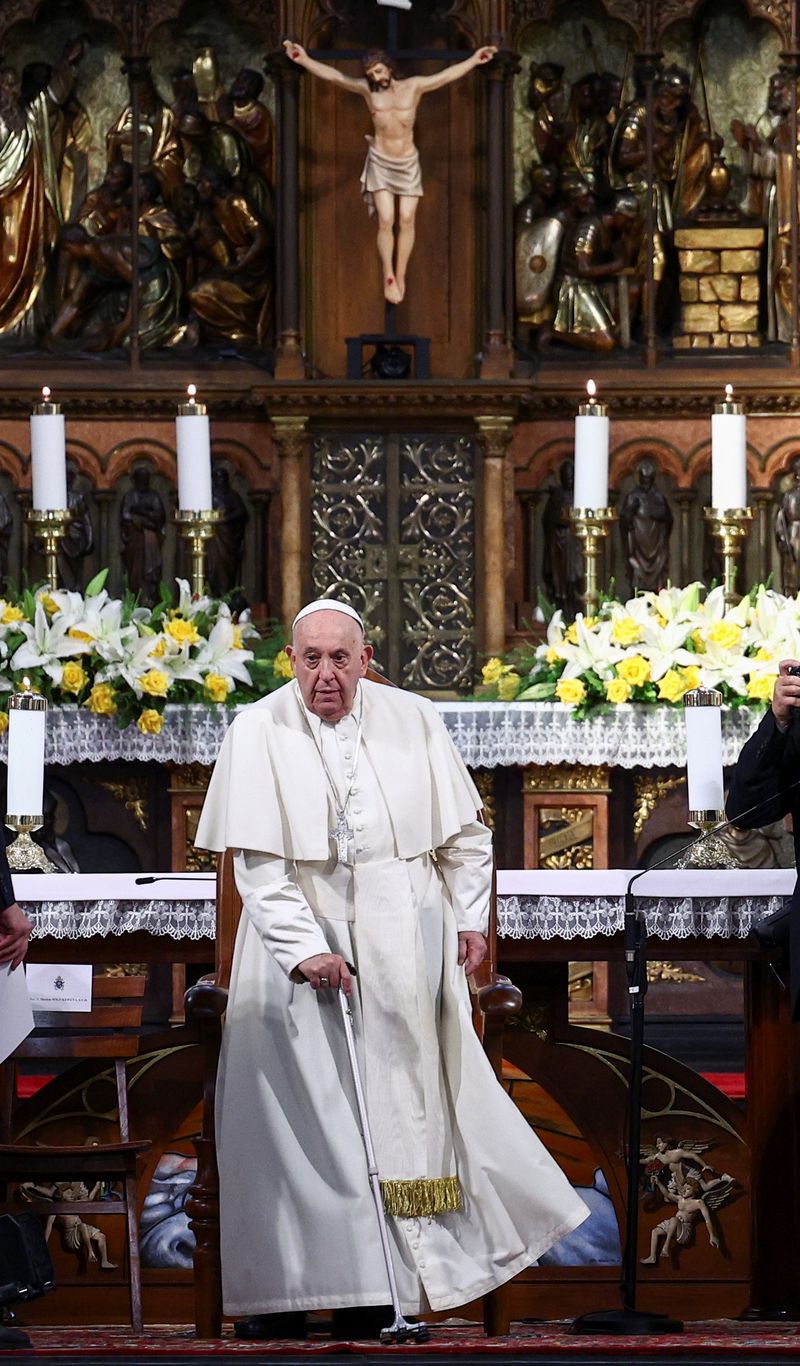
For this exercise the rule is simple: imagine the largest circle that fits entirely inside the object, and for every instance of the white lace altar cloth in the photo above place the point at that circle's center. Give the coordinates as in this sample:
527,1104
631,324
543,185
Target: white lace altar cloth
80,905
543,904
486,734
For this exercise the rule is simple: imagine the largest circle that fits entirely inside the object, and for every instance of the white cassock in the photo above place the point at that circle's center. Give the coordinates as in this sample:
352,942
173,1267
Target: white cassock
475,1196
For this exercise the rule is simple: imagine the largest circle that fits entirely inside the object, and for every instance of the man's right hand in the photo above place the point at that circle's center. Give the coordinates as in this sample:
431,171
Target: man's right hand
326,971
295,51
786,697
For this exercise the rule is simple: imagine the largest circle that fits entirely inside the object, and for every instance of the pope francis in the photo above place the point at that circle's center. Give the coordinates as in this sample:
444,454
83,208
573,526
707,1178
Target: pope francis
361,862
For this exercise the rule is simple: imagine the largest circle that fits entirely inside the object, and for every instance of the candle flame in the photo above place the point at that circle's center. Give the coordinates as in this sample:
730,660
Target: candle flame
26,683
728,392
591,388
46,392
191,390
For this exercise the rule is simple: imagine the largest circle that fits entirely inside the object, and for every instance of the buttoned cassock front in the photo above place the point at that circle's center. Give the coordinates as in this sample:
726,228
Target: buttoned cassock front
297,1220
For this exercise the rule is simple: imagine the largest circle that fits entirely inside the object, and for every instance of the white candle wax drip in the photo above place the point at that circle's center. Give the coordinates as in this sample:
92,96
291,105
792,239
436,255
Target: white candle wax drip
193,439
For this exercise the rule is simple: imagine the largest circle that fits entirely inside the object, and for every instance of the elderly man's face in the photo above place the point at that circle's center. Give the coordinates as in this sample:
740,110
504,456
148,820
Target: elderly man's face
328,657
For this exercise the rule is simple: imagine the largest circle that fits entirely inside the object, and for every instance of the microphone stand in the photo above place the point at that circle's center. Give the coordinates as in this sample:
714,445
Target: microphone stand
629,1320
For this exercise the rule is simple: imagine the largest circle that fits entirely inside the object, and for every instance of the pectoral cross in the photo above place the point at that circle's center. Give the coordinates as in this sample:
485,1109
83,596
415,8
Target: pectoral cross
342,834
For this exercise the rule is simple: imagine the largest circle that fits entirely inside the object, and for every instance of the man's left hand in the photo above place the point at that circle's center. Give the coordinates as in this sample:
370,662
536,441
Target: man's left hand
472,948
15,931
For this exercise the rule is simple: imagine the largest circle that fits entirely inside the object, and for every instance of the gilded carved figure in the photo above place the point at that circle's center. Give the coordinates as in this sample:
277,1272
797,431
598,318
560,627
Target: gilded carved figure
391,180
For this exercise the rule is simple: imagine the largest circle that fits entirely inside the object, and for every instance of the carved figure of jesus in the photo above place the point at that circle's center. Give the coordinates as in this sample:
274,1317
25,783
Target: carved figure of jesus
391,181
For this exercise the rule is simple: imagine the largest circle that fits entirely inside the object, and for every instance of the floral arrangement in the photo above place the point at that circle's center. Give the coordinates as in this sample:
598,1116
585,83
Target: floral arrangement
654,648
120,659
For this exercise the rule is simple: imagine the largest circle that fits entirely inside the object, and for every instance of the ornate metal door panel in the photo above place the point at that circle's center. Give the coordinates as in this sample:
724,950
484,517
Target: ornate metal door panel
393,532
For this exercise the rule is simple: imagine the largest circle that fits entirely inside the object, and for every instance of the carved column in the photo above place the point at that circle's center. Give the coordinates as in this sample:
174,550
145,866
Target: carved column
763,500
291,443
289,362
685,498
497,360
498,534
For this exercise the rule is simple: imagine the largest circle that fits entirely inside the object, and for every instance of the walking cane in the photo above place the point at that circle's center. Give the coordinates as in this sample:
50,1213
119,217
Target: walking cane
400,1330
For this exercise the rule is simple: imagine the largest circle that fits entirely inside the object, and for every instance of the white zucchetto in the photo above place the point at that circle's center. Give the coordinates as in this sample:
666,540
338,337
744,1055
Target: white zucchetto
327,605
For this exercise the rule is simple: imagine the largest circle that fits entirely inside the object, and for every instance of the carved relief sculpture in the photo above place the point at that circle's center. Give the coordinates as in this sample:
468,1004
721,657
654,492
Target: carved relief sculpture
226,547
78,540
562,562
141,520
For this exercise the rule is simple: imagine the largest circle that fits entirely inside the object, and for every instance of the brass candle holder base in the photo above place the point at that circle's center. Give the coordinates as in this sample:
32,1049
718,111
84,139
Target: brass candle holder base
51,524
710,852
729,526
24,854
198,528
591,526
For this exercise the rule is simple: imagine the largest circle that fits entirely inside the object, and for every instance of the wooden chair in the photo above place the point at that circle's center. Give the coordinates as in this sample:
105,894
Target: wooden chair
107,1031
495,999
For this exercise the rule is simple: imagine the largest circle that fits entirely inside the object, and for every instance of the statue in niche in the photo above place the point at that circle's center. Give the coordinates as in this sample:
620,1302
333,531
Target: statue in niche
539,222
546,100
787,532
6,530
29,190
226,547
78,540
597,248
231,300
760,164
562,562
645,520
391,181
70,136
159,149
586,148
141,523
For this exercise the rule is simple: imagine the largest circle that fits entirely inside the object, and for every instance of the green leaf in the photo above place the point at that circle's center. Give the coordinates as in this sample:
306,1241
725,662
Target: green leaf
538,692
95,585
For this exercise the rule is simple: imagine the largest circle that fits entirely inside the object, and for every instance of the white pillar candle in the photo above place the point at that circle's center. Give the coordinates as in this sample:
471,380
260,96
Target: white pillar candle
48,455
591,453
194,455
728,454
703,717
27,715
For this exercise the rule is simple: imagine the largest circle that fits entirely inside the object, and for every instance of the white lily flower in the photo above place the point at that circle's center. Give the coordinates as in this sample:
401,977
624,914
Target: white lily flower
47,644
188,606
102,626
220,655
593,649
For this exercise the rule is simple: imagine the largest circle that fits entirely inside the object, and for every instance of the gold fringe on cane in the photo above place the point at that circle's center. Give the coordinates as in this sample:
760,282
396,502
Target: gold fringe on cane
421,1198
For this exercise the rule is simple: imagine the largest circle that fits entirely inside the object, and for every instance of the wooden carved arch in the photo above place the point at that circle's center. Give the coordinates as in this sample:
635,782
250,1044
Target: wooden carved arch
650,19
111,12
262,15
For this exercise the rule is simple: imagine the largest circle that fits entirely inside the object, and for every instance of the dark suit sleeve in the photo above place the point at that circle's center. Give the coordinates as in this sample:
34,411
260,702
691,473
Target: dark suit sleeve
768,764
7,897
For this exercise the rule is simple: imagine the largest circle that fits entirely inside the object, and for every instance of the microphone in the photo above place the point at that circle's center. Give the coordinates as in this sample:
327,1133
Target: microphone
176,877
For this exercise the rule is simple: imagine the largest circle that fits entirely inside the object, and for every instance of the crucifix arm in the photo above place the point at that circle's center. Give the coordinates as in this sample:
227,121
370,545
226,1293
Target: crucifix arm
298,54
448,74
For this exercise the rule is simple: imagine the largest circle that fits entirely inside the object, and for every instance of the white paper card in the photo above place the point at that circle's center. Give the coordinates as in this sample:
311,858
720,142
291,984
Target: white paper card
16,1020
60,986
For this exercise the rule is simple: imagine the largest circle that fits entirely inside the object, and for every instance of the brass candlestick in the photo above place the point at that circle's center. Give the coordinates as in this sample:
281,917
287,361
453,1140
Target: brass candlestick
729,526
24,854
591,526
51,524
198,527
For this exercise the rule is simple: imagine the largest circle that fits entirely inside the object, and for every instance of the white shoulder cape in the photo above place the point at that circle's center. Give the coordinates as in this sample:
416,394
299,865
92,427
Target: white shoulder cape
268,791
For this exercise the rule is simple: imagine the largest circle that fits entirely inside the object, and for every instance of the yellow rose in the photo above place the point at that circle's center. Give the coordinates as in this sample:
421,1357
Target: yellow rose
672,687
49,604
154,683
74,677
626,631
491,671
182,631
661,619
237,638
216,687
570,690
150,721
572,631
11,614
697,640
101,700
3,722
635,670
692,675
508,686
761,687
159,649
764,654
75,634
282,665
553,655
725,633
617,690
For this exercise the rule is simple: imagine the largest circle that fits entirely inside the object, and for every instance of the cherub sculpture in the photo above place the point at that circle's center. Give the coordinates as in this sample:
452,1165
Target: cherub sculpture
86,1240
693,1201
668,1156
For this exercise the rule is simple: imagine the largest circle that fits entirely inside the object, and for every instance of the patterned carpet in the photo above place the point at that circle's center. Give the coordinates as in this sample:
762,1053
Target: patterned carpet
720,1342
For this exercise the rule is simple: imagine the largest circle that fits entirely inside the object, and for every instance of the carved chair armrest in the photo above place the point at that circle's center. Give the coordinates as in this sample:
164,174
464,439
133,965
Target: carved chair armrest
498,998
206,1002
